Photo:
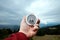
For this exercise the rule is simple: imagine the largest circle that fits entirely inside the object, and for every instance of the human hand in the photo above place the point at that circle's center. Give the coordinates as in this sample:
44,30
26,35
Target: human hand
29,30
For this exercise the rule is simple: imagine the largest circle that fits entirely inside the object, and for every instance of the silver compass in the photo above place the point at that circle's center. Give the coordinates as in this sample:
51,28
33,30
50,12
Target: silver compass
31,19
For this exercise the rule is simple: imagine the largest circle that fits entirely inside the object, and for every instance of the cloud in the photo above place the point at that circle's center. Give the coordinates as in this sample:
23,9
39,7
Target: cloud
12,11
47,11
4,23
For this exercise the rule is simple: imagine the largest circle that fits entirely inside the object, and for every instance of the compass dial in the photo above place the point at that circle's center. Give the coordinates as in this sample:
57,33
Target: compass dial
31,19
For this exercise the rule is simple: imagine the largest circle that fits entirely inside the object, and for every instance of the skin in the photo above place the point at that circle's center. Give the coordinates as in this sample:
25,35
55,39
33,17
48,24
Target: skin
29,30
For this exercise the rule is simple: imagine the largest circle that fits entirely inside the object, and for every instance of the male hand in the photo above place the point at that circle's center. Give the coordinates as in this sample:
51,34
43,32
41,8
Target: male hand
29,30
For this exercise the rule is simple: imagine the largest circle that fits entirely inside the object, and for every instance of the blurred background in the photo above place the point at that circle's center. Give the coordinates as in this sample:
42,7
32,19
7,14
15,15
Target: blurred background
48,11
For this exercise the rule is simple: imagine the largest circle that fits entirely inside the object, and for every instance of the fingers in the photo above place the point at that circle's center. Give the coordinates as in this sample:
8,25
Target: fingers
38,21
24,21
36,25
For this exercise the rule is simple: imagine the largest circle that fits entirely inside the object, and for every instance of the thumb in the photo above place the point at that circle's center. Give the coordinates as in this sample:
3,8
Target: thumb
24,19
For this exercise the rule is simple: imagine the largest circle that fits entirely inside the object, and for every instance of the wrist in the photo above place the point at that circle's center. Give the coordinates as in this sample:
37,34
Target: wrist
26,33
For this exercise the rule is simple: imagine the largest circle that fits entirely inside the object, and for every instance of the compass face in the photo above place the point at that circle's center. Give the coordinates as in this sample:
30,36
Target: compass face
31,19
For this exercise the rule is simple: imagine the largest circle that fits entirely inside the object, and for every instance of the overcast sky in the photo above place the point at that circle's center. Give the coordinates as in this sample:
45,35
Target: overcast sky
12,11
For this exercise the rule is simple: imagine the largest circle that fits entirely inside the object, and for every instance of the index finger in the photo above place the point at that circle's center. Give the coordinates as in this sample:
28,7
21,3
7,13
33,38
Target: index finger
38,21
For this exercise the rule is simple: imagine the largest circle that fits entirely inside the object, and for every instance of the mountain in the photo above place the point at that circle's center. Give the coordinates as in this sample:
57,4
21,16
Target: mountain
12,27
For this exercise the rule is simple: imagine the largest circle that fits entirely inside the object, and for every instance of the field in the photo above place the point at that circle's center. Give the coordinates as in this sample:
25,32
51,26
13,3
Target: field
47,37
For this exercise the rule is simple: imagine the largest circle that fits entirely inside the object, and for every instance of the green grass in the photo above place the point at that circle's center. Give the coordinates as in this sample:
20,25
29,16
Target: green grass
47,37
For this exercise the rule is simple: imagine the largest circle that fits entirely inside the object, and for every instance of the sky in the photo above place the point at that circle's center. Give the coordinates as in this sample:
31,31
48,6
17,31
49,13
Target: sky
12,11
